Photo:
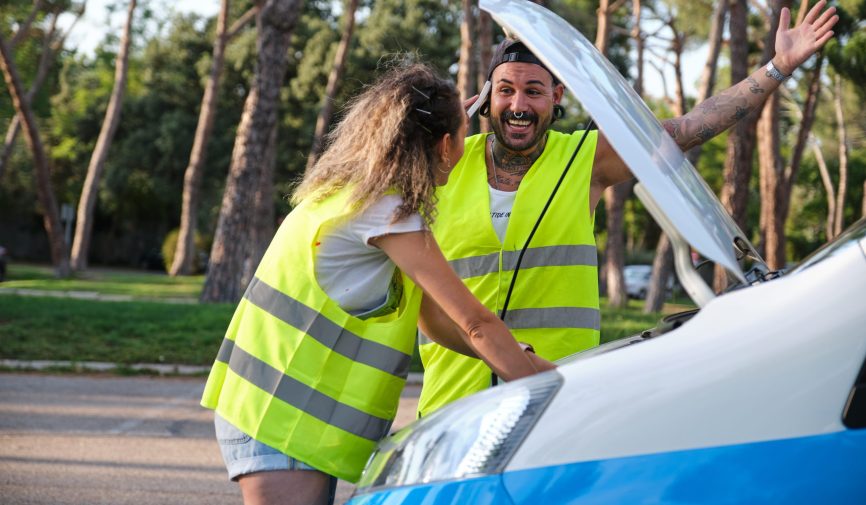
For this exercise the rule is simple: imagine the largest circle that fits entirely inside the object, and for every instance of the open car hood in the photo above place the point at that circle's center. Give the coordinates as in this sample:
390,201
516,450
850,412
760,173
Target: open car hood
631,128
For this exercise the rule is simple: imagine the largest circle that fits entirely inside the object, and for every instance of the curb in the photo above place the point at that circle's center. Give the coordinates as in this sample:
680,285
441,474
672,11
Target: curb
162,369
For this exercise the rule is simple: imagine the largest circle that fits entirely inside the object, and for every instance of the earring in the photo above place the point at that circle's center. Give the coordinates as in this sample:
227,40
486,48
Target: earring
446,160
558,112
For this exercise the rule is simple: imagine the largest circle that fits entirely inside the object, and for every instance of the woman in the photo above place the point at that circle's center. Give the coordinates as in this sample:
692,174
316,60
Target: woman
310,372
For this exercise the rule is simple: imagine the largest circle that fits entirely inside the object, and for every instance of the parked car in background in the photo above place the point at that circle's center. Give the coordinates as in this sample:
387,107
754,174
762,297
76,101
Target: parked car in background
637,280
757,396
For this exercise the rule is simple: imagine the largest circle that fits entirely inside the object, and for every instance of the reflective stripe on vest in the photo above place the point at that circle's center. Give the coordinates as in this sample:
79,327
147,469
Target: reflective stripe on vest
328,333
548,256
554,303
301,396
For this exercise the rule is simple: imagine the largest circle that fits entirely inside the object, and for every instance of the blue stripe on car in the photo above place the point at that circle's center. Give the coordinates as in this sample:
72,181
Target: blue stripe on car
817,469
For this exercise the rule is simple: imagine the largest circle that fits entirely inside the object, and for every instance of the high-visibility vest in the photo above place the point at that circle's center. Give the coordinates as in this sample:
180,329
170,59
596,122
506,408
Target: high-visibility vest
299,374
554,304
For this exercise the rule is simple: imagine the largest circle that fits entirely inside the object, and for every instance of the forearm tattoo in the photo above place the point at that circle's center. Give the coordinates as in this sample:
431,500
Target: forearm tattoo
717,113
755,87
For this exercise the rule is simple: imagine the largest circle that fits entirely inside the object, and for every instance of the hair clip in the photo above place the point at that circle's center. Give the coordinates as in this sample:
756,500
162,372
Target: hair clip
425,95
424,111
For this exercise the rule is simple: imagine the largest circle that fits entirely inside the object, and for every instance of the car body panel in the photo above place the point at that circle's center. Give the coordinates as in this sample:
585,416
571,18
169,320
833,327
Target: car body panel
743,404
629,126
808,470
479,491
756,364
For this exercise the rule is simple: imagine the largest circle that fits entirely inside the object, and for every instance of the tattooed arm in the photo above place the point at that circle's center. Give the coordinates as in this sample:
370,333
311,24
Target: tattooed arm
718,113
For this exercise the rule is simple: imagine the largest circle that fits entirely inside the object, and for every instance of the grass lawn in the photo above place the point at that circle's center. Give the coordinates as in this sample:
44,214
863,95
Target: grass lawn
128,332
44,328
139,284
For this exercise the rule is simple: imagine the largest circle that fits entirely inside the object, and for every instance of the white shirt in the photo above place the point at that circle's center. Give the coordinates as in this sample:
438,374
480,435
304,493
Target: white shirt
501,203
352,272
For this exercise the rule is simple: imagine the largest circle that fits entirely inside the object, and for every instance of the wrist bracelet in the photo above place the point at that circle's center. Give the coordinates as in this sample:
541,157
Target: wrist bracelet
526,347
774,73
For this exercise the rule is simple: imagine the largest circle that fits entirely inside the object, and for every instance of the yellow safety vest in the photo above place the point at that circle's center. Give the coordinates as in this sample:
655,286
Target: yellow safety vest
554,304
298,373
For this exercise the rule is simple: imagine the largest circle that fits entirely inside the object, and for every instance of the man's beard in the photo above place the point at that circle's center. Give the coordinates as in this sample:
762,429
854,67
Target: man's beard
520,144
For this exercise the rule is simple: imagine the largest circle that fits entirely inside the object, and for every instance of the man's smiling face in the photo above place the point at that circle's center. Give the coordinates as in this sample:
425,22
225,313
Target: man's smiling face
521,104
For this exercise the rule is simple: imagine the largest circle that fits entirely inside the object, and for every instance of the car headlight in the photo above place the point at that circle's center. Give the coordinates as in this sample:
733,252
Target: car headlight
473,436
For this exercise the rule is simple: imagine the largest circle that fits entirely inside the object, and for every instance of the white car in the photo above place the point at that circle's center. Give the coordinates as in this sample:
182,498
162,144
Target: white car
759,396
637,280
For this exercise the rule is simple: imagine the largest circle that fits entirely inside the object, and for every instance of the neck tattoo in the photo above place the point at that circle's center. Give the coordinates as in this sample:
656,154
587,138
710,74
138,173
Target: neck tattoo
513,164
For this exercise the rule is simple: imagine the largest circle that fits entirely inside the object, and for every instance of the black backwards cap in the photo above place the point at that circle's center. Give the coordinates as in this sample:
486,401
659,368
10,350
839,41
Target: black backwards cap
512,50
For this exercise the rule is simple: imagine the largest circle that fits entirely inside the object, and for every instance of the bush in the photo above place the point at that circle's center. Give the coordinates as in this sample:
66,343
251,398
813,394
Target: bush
199,260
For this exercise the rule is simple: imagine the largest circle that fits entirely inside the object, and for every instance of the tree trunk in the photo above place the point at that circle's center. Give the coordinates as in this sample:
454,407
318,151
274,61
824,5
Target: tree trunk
828,187
663,261
638,38
738,164
614,198
708,74
466,68
741,144
664,258
771,178
42,176
334,77
49,49
262,231
663,267
184,252
89,192
863,207
602,33
839,221
485,53
806,120
24,27
275,22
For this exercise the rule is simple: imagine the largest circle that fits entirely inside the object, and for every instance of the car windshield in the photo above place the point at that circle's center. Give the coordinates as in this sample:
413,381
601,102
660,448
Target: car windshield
855,236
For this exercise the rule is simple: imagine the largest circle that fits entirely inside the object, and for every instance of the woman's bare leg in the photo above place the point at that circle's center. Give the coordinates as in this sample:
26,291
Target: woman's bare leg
289,487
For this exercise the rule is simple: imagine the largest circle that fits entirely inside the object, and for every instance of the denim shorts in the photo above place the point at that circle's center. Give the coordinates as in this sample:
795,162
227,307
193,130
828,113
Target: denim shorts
244,455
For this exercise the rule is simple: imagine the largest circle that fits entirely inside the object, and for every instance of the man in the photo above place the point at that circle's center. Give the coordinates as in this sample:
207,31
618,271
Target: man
501,184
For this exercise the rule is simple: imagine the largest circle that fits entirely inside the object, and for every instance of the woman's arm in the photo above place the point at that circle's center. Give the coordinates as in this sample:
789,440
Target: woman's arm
417,254
435,324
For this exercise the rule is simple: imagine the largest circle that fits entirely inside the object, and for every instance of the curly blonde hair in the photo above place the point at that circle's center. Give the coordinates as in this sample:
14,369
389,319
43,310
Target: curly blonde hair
387,140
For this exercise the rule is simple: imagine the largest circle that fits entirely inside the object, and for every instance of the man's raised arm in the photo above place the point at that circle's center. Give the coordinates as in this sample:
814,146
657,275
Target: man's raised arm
718,113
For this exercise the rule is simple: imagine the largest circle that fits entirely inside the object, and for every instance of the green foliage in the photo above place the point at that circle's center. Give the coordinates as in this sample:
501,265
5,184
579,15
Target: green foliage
169,246
140,195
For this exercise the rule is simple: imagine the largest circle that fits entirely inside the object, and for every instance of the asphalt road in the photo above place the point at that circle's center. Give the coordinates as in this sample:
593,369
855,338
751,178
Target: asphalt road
93,440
